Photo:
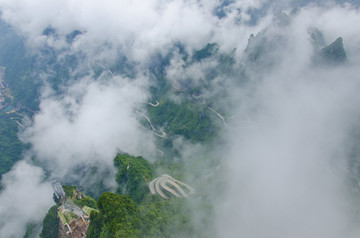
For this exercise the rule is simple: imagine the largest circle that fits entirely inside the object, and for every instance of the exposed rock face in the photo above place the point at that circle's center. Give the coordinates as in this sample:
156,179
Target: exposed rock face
334,53
165,186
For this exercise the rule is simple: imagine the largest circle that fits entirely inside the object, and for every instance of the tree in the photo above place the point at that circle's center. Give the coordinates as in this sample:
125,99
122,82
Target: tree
50,224
133,175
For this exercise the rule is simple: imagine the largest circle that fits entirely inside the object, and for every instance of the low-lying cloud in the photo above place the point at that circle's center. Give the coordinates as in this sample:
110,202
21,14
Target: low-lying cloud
26,198
287,169
91,122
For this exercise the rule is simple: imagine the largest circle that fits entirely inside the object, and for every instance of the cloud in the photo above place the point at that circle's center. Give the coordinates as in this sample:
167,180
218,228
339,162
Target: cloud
75,137
141,27
285,168
25,198
91,122
282,180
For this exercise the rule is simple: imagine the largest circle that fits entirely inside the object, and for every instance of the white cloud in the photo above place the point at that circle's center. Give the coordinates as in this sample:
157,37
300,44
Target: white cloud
140,27
92,122
25,197
285,171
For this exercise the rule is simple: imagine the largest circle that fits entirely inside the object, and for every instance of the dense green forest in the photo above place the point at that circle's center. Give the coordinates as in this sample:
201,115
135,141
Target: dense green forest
11,147
23,80
23,92
72,192
20,68
188,119
136,213
121,217
133,175
133,211
50,223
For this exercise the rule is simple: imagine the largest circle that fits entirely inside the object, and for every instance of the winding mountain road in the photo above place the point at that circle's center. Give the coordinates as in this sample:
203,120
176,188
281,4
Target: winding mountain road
163,133
20,124
219,115
154,130
157,103
227,125
169,184
196,96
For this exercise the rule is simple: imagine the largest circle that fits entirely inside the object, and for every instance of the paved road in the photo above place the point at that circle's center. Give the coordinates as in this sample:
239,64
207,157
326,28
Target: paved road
155,131
227,125
196,96
163,185
219,115
157,103
19,124
167,183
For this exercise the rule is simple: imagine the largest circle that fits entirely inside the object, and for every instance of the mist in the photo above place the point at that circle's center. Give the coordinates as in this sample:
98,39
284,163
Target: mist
284,159
287,170
26,198
91,122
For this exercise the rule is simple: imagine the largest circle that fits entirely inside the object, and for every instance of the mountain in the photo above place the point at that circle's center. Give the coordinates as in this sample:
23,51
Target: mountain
334,53
179,119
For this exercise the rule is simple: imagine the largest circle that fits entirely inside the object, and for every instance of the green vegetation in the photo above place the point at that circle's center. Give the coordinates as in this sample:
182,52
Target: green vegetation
263,52
166,218
11,147
69,216
69,190
187,119
139,214
88,210
86,201
23,89
32,230
50,223
78,198
135,212
167,166
206,52
19,65
62,218
119,216
133,175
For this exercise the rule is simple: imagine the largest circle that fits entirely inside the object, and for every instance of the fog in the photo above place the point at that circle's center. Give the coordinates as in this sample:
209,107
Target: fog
91,122
285,170
284,152
25,199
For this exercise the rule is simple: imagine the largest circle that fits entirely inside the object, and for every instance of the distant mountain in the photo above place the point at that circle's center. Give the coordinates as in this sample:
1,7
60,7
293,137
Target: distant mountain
334,53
